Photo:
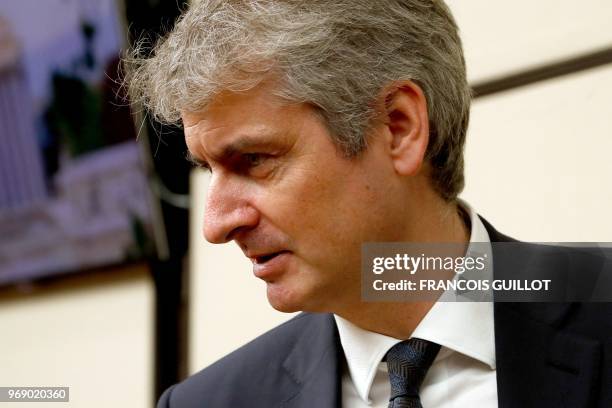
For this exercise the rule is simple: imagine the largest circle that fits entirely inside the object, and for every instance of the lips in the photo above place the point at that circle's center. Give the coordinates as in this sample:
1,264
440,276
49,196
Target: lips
270,265
265,257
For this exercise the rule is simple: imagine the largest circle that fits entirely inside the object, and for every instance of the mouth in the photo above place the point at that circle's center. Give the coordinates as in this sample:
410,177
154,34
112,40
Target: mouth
262,259
270,266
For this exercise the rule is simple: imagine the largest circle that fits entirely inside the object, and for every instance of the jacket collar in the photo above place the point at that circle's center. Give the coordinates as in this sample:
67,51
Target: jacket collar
315,365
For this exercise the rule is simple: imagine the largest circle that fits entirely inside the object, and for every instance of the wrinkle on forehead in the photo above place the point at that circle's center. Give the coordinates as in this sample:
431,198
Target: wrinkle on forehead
232,132
196,124
193,119
196,129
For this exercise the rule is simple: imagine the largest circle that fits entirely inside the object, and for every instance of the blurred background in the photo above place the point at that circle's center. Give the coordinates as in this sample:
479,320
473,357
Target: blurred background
106,285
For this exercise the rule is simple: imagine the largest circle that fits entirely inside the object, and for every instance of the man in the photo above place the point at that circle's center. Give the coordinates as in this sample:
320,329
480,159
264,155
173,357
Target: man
326,125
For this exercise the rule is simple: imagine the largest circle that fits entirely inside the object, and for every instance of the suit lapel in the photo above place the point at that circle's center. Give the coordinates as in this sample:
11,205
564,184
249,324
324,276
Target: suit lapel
314,365
538,362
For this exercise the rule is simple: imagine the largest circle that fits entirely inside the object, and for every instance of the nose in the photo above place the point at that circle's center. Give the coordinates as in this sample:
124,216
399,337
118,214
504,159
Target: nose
227,210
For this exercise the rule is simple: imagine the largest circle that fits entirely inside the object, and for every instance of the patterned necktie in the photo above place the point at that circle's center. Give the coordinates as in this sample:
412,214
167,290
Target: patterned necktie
408,363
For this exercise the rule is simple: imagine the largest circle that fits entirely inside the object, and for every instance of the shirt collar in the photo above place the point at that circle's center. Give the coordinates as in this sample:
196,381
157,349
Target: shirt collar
464,327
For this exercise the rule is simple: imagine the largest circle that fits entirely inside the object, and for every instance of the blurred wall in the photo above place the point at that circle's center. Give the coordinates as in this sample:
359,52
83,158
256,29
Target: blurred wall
537,157
91,333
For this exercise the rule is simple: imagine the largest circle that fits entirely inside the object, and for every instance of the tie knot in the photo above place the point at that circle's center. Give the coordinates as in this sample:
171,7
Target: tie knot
408,363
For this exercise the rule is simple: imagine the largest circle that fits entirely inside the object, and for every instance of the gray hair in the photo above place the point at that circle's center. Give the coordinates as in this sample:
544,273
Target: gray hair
337,56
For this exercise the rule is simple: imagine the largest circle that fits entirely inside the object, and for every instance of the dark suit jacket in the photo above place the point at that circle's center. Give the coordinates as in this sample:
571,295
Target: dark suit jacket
548,355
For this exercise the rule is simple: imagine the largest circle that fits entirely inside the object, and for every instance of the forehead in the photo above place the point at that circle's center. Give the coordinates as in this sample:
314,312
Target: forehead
239,104
235,117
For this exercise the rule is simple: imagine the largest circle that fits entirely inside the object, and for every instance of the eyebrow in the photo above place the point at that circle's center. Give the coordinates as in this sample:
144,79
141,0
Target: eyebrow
230,149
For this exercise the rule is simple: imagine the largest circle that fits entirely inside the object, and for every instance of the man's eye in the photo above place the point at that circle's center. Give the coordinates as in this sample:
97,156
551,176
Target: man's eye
254,159
256,164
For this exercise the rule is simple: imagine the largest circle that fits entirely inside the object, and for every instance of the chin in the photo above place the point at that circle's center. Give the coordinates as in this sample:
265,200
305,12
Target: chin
285,300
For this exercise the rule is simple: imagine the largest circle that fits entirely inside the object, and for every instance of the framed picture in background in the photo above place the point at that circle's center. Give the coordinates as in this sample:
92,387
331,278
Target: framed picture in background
73,188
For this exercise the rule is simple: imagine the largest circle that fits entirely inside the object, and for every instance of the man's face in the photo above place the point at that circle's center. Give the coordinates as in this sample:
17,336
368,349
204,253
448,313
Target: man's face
294,204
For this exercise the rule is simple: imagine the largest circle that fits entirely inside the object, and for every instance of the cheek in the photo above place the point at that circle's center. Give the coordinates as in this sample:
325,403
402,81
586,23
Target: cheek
337,204
295,197
341,214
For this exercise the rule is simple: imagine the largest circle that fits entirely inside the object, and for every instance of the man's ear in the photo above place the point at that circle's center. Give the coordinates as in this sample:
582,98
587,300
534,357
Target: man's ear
407,126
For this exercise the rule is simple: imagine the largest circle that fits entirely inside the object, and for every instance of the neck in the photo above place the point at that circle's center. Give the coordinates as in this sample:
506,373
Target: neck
440,223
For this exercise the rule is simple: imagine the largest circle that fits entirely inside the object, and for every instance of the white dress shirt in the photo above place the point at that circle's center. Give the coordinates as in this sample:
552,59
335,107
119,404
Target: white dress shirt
463,373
